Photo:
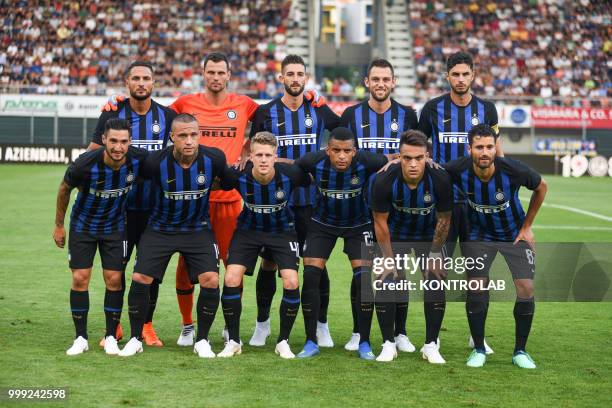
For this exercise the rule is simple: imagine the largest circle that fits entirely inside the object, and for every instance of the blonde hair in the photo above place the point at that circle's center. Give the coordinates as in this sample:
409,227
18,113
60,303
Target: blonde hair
265,138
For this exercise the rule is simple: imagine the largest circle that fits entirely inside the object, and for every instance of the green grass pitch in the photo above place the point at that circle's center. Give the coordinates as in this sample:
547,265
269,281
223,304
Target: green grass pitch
570,342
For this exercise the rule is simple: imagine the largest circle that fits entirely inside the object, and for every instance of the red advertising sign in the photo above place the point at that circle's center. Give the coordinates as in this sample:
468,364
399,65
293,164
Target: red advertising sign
571,118
339,107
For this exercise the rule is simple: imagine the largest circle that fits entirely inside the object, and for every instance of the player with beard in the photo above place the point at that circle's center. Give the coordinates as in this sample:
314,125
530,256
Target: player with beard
447,120
299,129
150,128
377,124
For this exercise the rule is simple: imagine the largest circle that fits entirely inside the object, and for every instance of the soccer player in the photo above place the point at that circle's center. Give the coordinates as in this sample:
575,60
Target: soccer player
150,125
498,223
377,124
299,129
104,178
446,120
411,203
265,221
340,174
182,177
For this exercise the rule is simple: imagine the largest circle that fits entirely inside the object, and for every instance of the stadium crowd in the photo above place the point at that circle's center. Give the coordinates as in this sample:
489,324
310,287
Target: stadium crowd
47,46
541,48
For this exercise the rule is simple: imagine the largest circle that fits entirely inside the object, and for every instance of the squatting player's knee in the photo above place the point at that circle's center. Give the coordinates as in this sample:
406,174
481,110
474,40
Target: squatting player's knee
290,280
210,280
80,279
113,280
232,279
140,278
524,288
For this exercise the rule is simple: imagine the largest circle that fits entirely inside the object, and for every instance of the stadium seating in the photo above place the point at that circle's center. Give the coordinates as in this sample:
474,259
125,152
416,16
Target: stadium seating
534,48
87,46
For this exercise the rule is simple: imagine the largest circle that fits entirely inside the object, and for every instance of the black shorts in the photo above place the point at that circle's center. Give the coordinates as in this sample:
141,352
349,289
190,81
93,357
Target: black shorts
321,239
302,214
282,247
520,258
459,227
136,224
199,249
82,250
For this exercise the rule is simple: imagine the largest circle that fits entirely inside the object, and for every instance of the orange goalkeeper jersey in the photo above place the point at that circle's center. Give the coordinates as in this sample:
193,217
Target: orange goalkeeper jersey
221,126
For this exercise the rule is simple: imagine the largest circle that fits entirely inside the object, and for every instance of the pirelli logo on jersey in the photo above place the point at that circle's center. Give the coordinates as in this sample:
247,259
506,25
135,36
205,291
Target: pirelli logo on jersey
266,209
150,145
118,192
390,143
489,209
218,131
303,139
185,195
414,211
341,194
452,137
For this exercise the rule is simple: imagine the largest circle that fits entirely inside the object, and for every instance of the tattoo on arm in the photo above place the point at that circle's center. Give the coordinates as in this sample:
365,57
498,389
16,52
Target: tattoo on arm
441,232
63,198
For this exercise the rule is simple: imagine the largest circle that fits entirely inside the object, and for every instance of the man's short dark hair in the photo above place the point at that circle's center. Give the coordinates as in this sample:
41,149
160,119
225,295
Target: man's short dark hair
117,124
341,134
292,59
380,63
457,58
216,57
139,63
481,130
414,138
184,118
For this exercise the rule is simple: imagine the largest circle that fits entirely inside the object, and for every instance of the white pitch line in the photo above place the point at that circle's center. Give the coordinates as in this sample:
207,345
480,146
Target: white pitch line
572,227
575,210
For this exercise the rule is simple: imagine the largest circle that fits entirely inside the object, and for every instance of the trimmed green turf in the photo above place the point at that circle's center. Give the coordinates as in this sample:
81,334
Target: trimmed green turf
570,342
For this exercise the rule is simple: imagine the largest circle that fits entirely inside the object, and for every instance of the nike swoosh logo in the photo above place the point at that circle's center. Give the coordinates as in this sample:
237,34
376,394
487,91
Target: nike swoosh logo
280,124
170,181
250,194
446,120
364,126
100,182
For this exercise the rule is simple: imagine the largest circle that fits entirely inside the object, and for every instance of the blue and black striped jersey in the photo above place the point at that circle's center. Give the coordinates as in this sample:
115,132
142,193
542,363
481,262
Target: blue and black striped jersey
297,132
265,206
101,202
151,132
379,132
341,198
182,194
494,208
412,212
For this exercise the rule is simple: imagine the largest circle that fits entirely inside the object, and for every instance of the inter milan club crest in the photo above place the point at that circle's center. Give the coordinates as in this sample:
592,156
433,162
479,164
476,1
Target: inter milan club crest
499,196
427,198
231,114
308,121
280,194
355,181
129,178
475,120
201,179
156,128
394,126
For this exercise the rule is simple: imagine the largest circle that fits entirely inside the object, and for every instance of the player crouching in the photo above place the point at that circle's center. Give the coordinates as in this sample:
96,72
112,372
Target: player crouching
265,221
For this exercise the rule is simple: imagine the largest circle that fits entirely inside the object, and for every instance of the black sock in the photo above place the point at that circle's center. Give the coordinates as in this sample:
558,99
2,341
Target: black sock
385,312
231,302
401,312
153,294
354,307
208,303
434,306
476,308
79,306
311,300
361,276
113,303
324,296
265,288
138,303
123,284
288,311
523,316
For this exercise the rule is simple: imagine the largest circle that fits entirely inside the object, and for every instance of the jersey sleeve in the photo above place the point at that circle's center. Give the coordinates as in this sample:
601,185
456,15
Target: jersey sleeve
229,178
74,174
309,161
99,130
218,160
258,121
177,105
251,107
298,176
443,188
455,167
410,119
491,117
521,174
150,164
330,119
425,122
372,161
345,119
381,192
